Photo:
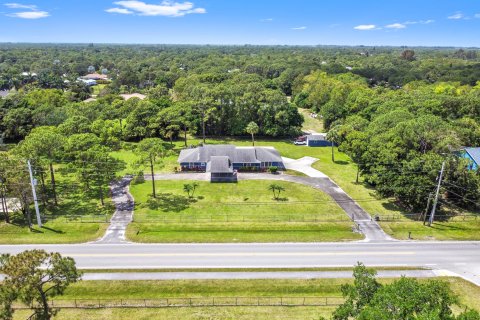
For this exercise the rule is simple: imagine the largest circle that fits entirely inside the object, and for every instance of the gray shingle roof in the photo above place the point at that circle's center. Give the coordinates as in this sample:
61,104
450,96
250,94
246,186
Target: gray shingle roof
219,164
316,137
235,154
268,155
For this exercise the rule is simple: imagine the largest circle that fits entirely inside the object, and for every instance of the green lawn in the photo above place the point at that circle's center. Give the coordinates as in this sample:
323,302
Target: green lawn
116,290
311,124
79,216
132,166
52,232
455,230
97,89
243,212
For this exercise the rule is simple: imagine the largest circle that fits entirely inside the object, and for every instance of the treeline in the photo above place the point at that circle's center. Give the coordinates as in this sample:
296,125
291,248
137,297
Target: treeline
195,105
142,67
399,138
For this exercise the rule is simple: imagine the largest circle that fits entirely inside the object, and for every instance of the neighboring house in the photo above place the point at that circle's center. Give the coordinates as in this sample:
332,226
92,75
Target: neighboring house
473,155
318,140
28,74
95,76
88,82
225,160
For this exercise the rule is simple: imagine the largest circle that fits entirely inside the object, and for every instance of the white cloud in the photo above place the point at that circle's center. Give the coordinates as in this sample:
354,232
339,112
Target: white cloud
119,10
396,26
266,20
29,14
21,6
365,27
456,16
34,12
165,8
420,22
299,28
477,15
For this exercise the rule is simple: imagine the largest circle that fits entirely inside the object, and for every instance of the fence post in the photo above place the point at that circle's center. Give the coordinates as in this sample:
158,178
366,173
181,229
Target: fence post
213,299
281,301
145,302
236,301
303,303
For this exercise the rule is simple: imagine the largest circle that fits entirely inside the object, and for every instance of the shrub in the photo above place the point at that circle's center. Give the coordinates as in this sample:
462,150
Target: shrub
139,178
273,169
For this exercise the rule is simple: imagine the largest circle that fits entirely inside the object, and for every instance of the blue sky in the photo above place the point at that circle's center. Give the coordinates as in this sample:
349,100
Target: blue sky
298,22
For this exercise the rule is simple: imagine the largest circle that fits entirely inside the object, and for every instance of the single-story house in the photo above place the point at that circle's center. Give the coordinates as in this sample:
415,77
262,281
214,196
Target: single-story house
318,140
473,155
225,160
88,82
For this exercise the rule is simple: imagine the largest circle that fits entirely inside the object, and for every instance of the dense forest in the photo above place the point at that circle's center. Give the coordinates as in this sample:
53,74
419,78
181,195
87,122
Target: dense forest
397,112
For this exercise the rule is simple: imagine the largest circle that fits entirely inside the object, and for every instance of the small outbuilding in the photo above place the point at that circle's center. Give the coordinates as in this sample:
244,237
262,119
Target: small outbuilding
318,140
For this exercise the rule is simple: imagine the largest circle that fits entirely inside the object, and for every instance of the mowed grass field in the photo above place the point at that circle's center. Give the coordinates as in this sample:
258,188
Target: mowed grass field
116,290
240,212
57,231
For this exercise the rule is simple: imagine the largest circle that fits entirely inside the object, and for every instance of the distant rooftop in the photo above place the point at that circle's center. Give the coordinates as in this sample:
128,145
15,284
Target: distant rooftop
95,76
4,93
133,95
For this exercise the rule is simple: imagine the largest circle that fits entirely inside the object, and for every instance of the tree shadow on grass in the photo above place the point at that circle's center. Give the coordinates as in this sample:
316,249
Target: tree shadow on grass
341,162
168,202
53,230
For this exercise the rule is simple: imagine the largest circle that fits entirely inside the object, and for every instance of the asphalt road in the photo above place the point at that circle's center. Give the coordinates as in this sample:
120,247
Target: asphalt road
462,258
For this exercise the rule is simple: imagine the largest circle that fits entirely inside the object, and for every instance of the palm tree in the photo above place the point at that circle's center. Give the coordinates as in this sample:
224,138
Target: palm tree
188,188
253,129
276,189
273,188
333,137
194,187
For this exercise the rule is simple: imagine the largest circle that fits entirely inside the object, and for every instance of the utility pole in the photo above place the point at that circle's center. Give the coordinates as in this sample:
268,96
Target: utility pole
425,213
435,202
34,192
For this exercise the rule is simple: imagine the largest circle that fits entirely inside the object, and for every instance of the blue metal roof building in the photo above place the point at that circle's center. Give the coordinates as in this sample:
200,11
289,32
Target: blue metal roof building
473,155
